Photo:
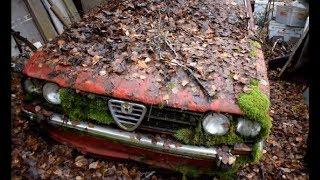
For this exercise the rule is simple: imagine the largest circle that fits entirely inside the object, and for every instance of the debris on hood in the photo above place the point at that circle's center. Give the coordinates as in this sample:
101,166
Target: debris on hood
203,47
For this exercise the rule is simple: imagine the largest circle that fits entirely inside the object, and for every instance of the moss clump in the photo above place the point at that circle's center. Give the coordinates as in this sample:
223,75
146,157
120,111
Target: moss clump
171,85
231,173
187,171
198,137
185,135
255,44
257,151
253,53
82,107
230,138
255,105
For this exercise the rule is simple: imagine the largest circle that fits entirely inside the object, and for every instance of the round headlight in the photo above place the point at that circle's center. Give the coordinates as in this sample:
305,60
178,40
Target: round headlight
248,128
29,86
51,93
216,124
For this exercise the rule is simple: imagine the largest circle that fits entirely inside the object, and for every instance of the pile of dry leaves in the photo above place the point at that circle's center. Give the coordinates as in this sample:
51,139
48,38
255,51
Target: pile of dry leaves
203,42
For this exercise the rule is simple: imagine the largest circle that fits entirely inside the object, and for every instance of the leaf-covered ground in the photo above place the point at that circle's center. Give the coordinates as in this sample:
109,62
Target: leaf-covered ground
36,156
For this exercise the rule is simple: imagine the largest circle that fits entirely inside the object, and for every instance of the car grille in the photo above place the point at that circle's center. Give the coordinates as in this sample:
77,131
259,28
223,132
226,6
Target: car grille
167,120
127,115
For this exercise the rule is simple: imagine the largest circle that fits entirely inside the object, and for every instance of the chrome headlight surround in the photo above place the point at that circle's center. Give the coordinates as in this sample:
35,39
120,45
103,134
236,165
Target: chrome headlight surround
50,92
216,124
248,128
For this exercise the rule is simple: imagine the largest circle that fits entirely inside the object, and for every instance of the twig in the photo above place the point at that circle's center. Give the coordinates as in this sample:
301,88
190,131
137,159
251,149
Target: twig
186,68
262,171
17,36
274,44
170,46
293,52
165,70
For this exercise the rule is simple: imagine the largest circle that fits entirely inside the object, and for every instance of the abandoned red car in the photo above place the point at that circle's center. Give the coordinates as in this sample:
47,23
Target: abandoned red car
176,84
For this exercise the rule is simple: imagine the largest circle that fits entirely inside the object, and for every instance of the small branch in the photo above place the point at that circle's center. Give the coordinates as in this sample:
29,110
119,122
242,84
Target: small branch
17,36
262,172
186,68
274,44
170,46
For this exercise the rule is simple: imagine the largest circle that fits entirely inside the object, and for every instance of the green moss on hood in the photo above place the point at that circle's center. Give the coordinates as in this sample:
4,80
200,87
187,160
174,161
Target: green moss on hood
255,105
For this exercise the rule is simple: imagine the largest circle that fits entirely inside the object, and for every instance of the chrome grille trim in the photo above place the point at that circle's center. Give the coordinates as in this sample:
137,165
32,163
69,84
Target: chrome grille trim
129,120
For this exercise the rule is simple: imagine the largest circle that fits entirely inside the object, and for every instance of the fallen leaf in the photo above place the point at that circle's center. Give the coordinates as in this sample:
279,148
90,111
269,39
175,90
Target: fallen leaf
250,176
95,59
147,59
37,108
166,97
134,56
74,51
142,77
127,33
58,172
79,178
142,64
81,161
286,170
299,139
61,42
232,159
225,159
94,165
184,82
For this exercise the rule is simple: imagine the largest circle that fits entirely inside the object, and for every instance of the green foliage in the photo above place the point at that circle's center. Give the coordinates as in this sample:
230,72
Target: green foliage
256,152
171,85
232,172
255,44
230,138
229,174
161,105
255,105
253,53
185,135
187,171
82,107
97,111
199,137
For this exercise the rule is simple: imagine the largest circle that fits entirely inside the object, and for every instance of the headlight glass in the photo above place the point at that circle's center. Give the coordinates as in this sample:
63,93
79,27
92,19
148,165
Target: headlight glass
51,93
248,128
30,87
216,124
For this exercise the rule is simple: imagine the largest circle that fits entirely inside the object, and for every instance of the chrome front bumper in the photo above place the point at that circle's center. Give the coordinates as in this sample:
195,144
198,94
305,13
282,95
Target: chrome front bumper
130,138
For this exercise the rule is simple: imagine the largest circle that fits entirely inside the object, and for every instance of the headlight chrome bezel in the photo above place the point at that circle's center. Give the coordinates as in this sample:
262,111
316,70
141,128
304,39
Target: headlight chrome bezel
50,92
216,124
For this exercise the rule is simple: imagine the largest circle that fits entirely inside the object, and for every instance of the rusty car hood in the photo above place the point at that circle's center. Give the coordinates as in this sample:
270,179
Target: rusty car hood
121,51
